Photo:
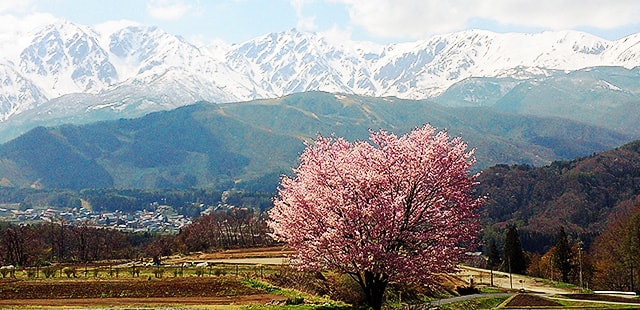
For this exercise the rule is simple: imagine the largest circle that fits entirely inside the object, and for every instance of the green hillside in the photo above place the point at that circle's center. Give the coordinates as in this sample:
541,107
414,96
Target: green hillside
600,96
578,195
248,144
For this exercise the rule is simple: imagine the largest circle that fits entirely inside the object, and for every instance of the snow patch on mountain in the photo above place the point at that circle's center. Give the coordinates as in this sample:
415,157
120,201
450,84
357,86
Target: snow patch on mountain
18,93
121,63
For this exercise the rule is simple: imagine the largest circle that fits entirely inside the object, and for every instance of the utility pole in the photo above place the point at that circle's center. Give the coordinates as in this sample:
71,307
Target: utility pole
510,276
491,276
580,262
490,265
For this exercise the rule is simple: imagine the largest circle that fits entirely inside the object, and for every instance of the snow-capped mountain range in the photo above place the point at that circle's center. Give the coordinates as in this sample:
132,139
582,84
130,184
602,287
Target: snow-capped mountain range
143,67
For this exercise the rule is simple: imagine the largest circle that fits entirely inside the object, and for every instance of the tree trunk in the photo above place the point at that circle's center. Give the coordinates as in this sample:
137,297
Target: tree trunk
374,287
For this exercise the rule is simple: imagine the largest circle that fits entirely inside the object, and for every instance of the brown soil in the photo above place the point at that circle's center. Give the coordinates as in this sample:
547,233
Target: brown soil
181,291
260,299
603,298
525,300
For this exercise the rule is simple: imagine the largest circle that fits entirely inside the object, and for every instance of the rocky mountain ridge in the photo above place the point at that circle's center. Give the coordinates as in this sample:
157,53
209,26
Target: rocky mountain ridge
150,69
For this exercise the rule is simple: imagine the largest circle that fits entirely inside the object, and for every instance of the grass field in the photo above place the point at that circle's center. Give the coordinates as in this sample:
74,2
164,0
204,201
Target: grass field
255,278
200,280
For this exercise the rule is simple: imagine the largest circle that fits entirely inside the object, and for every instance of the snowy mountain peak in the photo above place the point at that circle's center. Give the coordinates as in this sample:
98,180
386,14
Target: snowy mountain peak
65,58
16,89
123,62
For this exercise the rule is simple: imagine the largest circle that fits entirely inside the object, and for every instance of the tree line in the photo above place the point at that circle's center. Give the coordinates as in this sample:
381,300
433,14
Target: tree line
610,262
578,195
185,201
41,244
45,243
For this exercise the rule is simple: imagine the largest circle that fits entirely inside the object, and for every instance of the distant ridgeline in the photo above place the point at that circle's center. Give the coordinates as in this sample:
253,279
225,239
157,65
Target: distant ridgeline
248,145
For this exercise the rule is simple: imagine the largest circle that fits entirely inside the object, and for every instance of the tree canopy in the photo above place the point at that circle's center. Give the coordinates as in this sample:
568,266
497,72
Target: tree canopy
513,256
562,255
399,208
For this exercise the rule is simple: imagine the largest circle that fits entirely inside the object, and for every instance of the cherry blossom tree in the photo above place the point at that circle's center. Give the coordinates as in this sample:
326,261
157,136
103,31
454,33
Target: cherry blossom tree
395,209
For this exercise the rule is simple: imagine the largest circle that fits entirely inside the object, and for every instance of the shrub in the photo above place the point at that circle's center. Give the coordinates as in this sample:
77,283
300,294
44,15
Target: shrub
158,272
219,271
199,271
344,288
49,272
309,282
135,271
177,272
467,290
31,273
69,271
298,300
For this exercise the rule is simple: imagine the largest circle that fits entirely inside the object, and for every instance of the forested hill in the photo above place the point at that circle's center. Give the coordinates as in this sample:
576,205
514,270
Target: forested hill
578,195
249,144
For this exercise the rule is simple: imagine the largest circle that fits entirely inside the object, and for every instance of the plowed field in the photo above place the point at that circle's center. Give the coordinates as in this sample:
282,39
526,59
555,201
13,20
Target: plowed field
178,291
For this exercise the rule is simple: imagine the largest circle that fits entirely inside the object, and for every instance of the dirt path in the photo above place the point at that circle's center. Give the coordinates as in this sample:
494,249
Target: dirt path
517,282
251,261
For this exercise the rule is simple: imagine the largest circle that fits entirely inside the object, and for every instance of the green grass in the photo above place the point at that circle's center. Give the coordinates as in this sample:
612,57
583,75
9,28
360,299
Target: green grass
557,284
326,306
295,299
489,290
592,305
478,303
266,287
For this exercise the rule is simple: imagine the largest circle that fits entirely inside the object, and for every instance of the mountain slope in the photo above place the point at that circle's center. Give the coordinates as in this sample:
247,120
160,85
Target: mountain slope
17,89
590,96
578,195
66,58
227,145
601,96
133,64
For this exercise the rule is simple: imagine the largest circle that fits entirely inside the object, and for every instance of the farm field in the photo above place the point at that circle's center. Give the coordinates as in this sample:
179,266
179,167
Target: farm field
235,278
198,280
186,291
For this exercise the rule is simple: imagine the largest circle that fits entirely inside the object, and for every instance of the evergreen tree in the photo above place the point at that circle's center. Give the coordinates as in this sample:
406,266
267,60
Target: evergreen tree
562,255
493,257
513,259
492,254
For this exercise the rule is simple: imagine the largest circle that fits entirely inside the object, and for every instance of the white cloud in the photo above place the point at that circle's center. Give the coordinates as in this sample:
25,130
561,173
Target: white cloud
307,23
20,25
112,26
304,23
167,9
336,35
14,5
564,14
13,30
419,18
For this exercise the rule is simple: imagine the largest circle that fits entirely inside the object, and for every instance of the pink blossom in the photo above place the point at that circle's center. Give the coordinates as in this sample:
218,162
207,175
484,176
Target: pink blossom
395,209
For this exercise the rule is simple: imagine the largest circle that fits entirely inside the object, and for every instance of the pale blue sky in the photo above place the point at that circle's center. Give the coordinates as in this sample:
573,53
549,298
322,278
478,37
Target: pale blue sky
382,21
